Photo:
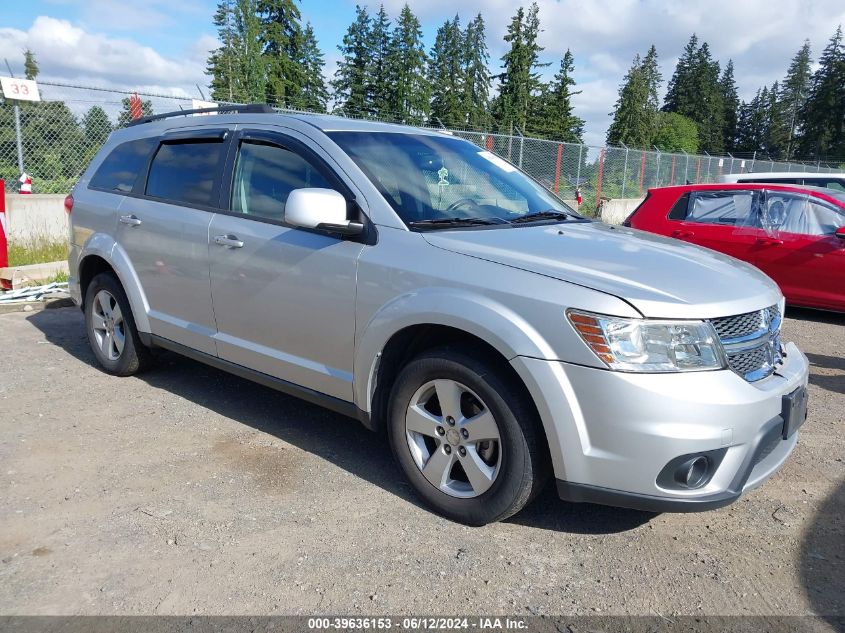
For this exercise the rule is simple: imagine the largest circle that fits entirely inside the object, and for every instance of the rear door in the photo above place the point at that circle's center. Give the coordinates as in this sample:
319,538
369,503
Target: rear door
284,297
726,221
163,227
800,251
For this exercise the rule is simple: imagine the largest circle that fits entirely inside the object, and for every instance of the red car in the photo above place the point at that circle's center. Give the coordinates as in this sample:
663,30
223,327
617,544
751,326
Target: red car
794,234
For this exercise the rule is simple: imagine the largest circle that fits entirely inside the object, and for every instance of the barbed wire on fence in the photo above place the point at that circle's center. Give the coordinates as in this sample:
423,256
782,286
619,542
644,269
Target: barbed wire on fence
60,135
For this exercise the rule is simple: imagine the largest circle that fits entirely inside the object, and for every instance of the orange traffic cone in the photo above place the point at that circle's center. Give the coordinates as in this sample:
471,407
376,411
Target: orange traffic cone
26,183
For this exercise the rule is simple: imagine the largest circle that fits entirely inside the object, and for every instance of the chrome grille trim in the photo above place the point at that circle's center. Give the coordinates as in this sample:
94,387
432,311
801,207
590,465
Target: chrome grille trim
751,342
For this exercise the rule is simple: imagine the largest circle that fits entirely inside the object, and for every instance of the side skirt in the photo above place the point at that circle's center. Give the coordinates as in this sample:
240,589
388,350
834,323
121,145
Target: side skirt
309,395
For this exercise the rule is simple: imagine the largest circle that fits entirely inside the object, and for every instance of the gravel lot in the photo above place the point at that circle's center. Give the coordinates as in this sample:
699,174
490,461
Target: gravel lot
188,490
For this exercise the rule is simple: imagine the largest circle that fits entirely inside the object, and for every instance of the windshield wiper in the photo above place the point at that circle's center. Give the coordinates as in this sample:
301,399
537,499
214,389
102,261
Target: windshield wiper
548,214
446,222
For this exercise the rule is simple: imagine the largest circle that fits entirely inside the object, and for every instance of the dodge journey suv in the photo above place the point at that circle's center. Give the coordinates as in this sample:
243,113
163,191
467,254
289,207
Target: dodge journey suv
428,288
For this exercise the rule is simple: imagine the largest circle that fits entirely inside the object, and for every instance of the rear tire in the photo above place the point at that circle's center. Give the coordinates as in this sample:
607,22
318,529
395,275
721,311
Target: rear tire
466,437
111,328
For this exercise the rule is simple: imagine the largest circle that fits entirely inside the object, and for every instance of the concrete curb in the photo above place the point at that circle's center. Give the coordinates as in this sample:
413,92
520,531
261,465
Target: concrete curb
50,303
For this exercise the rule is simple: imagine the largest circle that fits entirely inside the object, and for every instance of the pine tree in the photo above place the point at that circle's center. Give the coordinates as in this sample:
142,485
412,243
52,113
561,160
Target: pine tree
446,74
795,89
823,115
314,94
30,64
557,120
222,65
635,115
520,80
411,90
379,86
776,130
730,101
476,88
350,79
680,92
282,40
96,127
237,66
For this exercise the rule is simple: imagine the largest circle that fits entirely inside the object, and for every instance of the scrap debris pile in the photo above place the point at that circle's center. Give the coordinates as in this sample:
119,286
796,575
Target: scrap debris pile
53,290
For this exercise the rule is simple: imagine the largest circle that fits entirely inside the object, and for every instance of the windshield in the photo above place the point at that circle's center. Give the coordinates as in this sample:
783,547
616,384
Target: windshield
436,182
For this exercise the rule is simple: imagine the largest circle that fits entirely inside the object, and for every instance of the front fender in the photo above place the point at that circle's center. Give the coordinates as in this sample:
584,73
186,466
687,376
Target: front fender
104,246
477,314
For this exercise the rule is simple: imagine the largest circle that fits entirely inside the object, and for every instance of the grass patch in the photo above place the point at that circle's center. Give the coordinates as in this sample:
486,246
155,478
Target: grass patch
37,251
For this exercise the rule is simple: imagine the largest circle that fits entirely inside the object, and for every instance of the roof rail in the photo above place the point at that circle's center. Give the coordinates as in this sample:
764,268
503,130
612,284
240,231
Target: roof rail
254,108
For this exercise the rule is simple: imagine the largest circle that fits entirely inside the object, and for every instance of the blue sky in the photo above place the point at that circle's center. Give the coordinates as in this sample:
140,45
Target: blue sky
161,45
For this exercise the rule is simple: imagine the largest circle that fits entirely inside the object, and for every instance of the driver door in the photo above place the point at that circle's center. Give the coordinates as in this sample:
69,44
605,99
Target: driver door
284,297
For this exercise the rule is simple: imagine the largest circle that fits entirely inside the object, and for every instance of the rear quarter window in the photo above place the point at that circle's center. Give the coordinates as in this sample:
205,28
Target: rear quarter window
121,168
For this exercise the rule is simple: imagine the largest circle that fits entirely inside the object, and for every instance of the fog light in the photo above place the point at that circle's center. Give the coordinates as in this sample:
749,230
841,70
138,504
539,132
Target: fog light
691,471
694,472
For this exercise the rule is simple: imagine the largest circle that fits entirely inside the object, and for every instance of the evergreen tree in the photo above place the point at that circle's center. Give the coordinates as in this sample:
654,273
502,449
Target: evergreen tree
776,131
557,120
350,79
411,93
823,115
680,92
476,88
635,114
752,128
446,74
96,127
520,80
30,65
282,41
794,91
379,86
314,94
730,101
237,67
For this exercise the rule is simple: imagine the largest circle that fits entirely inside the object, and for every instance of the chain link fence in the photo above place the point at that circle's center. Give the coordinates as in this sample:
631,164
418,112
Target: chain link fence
60,135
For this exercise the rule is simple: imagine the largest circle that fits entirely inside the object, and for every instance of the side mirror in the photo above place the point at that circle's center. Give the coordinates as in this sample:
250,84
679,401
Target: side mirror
322,209
840,233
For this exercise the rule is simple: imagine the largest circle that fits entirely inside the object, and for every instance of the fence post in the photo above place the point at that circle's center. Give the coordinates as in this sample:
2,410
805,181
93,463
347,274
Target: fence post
598,184
672,177
698,171
521,144
625,171
489,142
557,167
753,158
642,173
578,170
18,137
657,176
686,168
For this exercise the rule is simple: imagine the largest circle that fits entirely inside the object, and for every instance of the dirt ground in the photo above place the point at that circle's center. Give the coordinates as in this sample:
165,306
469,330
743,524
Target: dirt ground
190,491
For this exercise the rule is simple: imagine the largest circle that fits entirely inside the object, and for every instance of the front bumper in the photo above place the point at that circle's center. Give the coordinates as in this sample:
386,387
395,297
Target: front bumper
611,433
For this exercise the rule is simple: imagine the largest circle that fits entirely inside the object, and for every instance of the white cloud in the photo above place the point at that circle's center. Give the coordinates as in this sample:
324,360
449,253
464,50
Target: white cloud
761,36
73,54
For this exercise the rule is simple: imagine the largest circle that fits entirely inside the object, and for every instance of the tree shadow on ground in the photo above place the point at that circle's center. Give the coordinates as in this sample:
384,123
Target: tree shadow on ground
823,558
835,382
331,436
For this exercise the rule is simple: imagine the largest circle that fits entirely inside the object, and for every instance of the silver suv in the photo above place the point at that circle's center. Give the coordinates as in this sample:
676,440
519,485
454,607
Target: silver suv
428,288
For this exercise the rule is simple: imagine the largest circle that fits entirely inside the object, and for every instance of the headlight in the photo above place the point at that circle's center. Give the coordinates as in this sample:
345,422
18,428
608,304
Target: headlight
644,345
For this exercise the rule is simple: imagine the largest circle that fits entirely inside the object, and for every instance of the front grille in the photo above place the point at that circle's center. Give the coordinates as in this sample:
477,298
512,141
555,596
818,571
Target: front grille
751,342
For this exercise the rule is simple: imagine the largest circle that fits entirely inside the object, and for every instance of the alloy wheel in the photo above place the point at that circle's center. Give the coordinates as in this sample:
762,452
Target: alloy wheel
108,325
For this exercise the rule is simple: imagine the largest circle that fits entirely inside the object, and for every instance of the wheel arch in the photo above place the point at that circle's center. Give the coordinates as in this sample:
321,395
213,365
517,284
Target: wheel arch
102,254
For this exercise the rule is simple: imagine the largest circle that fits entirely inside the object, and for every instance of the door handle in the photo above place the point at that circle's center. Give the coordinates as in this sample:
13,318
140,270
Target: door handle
680,233
231,241
131,220
769,241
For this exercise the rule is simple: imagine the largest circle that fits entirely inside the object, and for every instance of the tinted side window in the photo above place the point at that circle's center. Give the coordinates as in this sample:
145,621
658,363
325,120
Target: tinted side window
828,184
679,209
264,177
185,172
121,168
735,208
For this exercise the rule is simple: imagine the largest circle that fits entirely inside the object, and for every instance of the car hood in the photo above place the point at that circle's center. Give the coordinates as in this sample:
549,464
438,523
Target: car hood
660,277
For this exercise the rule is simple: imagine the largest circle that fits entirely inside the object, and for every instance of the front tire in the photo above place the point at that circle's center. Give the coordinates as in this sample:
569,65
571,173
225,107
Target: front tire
111,328
466,436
